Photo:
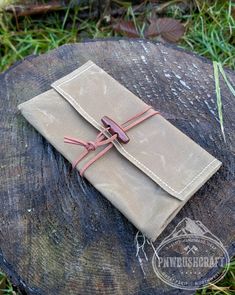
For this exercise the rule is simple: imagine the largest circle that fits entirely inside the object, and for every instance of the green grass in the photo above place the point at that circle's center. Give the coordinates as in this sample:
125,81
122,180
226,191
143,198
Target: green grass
225,287
38,35
210,32
6,287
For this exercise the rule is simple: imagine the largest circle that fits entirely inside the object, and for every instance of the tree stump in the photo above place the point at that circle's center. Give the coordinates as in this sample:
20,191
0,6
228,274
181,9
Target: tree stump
58,235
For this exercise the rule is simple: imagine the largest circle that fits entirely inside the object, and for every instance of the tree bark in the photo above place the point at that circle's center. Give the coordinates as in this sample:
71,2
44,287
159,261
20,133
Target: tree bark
58,235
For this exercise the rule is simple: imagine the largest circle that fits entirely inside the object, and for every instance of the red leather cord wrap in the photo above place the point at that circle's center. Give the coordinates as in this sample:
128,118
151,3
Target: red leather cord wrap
101,139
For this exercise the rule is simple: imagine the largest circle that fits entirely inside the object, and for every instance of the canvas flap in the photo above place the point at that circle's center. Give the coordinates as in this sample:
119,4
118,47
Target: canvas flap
156,147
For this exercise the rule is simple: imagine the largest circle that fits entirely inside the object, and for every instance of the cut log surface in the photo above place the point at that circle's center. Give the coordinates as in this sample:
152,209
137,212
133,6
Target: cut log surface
58,235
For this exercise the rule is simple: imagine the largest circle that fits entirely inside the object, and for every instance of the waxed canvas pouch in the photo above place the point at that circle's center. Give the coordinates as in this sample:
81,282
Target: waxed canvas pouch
150,178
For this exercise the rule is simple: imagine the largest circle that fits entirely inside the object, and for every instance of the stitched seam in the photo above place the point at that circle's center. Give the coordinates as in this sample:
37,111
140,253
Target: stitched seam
137,161
125,151
151,172
70,79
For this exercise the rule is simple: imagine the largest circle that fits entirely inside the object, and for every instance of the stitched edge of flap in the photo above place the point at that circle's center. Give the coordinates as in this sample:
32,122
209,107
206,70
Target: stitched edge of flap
184,193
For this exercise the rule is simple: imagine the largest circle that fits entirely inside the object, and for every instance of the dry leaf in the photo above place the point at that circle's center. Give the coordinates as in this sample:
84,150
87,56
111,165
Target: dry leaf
126,27
168,28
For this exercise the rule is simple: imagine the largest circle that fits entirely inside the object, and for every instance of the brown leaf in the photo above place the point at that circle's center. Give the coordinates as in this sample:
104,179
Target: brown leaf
168,28
126,27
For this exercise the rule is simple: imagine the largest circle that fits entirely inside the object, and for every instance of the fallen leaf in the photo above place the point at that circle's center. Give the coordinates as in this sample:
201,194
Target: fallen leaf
168,28
126,27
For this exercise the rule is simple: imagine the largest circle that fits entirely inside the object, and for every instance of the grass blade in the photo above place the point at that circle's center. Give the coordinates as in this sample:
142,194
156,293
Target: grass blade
226,79
218,97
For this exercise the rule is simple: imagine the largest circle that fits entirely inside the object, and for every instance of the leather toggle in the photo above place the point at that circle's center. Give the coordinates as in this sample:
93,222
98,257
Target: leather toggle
114,128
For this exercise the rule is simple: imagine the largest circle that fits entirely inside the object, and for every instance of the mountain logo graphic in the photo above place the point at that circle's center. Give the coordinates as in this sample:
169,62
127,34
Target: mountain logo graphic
190,257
